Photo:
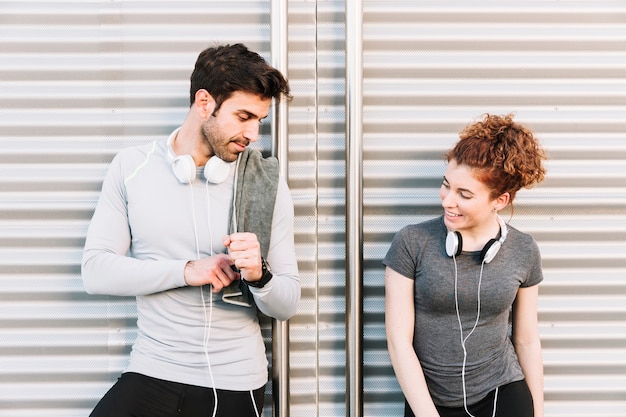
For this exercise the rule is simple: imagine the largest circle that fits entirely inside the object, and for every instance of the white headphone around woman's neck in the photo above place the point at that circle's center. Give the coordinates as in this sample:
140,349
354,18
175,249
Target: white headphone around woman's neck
454,243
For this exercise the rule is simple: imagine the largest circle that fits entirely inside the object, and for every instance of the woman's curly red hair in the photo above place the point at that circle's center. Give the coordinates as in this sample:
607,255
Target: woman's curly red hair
504,155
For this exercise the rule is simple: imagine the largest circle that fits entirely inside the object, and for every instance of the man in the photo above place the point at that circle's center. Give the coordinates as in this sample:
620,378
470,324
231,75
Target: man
189,224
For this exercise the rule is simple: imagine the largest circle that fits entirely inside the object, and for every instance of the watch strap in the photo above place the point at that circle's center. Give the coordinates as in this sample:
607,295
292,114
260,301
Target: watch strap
265,277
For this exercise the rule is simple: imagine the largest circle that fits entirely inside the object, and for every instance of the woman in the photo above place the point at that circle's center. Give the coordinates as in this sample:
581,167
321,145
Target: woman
455,283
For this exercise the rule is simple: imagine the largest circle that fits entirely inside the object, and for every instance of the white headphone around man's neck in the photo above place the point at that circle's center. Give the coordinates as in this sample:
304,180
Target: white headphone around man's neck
216,170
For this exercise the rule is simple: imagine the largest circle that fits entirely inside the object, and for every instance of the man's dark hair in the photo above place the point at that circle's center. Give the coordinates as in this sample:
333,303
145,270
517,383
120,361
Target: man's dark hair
225,69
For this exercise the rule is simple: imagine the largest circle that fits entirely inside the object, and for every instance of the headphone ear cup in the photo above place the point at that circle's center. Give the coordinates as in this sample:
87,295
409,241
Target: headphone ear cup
490,251
216,170
184,168
454,244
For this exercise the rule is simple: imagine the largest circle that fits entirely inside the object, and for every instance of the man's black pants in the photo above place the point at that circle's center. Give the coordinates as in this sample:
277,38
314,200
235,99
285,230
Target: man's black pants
136,395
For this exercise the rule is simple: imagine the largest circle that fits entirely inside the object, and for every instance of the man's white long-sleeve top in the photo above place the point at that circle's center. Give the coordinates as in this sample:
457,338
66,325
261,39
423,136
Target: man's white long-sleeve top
147,225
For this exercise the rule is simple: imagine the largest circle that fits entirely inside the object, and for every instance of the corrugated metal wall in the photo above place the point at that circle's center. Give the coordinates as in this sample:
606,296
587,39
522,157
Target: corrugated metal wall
80,80
432,67
316,143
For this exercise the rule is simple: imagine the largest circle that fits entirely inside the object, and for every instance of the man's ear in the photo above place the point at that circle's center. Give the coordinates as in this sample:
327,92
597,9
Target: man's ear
204,103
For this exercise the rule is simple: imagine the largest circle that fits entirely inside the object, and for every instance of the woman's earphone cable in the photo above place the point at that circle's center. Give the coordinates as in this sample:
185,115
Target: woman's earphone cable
464,339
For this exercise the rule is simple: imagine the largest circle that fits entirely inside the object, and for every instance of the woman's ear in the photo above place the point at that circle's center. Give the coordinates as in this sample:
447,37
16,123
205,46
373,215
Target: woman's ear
502,201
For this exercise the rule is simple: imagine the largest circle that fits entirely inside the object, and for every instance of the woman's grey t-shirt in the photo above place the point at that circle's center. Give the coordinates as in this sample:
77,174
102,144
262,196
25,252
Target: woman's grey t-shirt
418,252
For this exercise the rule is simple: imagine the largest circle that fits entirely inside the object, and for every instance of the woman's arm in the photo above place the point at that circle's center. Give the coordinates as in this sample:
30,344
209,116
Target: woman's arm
528,344
399,325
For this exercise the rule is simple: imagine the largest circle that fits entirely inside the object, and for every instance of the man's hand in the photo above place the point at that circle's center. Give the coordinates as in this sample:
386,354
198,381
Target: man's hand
214,270
245,251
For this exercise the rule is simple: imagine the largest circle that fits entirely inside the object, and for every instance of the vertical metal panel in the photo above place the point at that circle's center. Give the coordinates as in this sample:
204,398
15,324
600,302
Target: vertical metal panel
78,82
432,67
317,180
280,329
354,208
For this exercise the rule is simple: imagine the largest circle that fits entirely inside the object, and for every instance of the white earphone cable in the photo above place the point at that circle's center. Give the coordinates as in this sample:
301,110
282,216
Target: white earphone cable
195,224
254,404
233,208
207,334
234,224
207,321
464,339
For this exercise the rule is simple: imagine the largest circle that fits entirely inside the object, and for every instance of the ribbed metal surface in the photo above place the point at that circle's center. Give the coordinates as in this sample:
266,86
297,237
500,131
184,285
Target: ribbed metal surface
317,144
432,67
80,80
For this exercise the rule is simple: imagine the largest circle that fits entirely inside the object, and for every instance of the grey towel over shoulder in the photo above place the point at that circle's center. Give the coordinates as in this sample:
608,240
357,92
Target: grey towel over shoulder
255,197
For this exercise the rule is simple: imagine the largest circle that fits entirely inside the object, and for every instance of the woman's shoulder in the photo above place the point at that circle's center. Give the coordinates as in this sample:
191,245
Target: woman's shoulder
520,239
431,227
518,234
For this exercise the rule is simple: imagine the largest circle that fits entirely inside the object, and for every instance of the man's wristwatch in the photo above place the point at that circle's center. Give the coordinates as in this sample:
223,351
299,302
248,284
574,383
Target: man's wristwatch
266,276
